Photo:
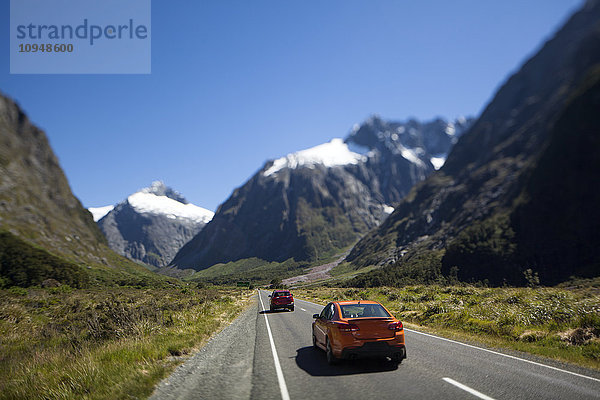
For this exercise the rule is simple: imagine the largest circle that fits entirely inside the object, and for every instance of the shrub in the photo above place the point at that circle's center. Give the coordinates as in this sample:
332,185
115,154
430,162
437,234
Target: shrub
483,251
18,291
22,264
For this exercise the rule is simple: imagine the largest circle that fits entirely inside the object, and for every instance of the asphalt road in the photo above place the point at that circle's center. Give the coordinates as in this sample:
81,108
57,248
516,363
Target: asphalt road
265,355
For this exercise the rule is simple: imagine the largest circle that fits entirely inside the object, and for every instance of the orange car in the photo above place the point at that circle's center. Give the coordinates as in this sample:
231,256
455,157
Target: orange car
358,329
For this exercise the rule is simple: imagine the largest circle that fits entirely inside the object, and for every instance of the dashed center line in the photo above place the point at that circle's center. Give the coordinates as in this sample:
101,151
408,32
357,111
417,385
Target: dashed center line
302,309
467,389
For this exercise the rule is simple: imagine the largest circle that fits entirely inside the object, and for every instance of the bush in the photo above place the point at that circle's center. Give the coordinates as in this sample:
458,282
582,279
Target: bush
421,266
590,320
484,251
22,264
18,291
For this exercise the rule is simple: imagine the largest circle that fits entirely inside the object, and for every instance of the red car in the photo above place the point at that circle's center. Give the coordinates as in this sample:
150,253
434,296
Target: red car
281,299
358,329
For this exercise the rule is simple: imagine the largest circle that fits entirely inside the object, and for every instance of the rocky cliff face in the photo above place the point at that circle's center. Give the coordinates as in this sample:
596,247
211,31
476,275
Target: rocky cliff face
153,224
36,202
316,201
469,202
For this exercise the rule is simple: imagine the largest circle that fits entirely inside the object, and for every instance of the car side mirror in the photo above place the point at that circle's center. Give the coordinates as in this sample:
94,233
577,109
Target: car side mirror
315,315
269,295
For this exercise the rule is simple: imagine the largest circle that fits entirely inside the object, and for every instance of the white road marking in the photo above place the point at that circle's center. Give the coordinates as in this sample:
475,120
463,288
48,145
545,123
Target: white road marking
491,351
302,309
282,386
506,355
467,389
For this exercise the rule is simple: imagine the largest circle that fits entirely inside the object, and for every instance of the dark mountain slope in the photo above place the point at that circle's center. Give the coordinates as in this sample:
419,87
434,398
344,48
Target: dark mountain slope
484,173
36,201
298,214
557,224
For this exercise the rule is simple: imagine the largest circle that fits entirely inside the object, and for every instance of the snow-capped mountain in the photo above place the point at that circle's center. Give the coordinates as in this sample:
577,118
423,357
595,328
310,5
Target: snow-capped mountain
336,152
152,224
314,201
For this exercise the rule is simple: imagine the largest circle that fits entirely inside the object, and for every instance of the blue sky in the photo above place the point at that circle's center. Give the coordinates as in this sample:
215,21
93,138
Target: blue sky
235,83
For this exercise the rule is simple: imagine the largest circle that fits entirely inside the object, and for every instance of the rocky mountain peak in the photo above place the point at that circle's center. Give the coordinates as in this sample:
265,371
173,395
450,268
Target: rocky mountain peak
419,142
152,224
159,188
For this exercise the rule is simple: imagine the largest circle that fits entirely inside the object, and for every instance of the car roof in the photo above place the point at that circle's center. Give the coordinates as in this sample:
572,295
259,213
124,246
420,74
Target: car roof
281,290
343,303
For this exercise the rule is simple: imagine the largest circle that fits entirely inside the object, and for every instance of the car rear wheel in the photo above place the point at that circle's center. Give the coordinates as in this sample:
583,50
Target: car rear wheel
292,308
271,309
331,359
397,359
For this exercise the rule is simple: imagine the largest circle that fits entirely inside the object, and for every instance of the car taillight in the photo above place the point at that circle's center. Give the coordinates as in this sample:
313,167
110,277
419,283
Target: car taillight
395,326
347,327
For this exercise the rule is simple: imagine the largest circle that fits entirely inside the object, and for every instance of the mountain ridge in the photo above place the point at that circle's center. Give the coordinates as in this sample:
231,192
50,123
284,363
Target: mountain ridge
483,175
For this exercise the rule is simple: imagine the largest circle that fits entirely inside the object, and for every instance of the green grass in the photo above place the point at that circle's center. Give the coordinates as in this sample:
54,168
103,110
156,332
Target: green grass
552,322
103,344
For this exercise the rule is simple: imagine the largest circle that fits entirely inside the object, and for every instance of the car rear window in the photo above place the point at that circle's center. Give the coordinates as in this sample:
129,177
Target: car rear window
277,294
363,311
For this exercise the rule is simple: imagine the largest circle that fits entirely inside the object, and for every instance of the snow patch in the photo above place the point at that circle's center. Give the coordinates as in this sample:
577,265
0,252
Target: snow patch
99,212
411,155
144,202
154,187
388,209
336,152
437,162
